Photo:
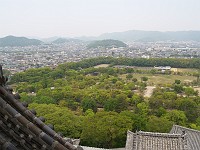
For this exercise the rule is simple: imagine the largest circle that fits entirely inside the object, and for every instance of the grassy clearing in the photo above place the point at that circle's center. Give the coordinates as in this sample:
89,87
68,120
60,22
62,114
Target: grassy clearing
161,78
102,66
184,70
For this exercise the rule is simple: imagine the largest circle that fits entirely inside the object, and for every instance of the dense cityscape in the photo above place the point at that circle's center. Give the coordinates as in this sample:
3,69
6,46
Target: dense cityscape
17,59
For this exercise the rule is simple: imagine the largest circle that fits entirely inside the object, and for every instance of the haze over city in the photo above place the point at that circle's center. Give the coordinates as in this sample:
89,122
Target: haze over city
72,18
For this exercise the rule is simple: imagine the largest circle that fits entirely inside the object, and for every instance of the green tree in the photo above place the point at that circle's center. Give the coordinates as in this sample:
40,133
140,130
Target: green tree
144,79
63,120
135,99
130,86
177,117
189,107
89,113
110,104
177,81
161,124
26,98
44,100
129,76
106,130
160,112
134,80
178,88
121,102
88,103
189,91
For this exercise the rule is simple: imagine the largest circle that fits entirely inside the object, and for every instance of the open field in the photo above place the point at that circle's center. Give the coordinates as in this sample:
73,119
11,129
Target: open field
102,66
156,79
161,78
183,70
190,70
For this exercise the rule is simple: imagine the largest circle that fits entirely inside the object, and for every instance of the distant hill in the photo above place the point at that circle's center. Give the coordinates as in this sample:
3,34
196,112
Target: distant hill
63,40
18,41
49,39
109,43
137,35
148,36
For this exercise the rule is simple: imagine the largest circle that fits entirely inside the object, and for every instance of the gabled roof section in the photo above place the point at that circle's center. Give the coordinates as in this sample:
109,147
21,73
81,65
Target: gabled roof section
154,141
192,136
20,129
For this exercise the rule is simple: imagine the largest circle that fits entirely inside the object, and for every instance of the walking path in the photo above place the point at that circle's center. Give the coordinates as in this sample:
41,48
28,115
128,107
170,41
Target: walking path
149,91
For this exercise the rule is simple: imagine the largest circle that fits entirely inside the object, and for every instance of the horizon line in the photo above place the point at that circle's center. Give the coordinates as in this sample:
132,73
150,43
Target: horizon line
57,36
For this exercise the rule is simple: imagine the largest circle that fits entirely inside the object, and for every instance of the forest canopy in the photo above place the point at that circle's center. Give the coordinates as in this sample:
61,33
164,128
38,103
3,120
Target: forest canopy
100,104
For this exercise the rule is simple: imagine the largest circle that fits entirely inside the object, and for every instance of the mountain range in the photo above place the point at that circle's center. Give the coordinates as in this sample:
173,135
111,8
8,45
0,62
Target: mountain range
18,41
148,36
132,35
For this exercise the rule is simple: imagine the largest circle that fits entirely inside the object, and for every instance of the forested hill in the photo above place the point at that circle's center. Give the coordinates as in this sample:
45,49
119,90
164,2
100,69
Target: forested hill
109,43
18,41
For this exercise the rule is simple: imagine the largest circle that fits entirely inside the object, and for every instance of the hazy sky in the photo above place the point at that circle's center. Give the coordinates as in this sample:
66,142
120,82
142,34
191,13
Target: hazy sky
70,18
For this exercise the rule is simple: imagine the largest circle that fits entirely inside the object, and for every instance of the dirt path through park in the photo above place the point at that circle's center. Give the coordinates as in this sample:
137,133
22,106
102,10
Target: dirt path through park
149,91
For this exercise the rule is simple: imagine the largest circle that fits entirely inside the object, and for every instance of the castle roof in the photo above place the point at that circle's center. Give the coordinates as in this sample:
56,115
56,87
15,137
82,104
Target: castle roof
154,141
192,136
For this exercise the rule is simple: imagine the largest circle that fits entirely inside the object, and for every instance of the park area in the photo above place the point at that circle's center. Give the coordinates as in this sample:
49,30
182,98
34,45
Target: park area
162,79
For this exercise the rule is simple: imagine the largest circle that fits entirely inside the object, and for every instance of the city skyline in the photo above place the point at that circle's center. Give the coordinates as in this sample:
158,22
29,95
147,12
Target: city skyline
72,18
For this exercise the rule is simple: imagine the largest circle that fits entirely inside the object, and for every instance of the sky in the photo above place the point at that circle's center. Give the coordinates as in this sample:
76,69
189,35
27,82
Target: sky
73,18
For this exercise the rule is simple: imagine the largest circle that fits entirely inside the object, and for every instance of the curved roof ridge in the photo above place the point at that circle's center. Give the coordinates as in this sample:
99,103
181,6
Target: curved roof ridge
186,128
159,134
93,148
